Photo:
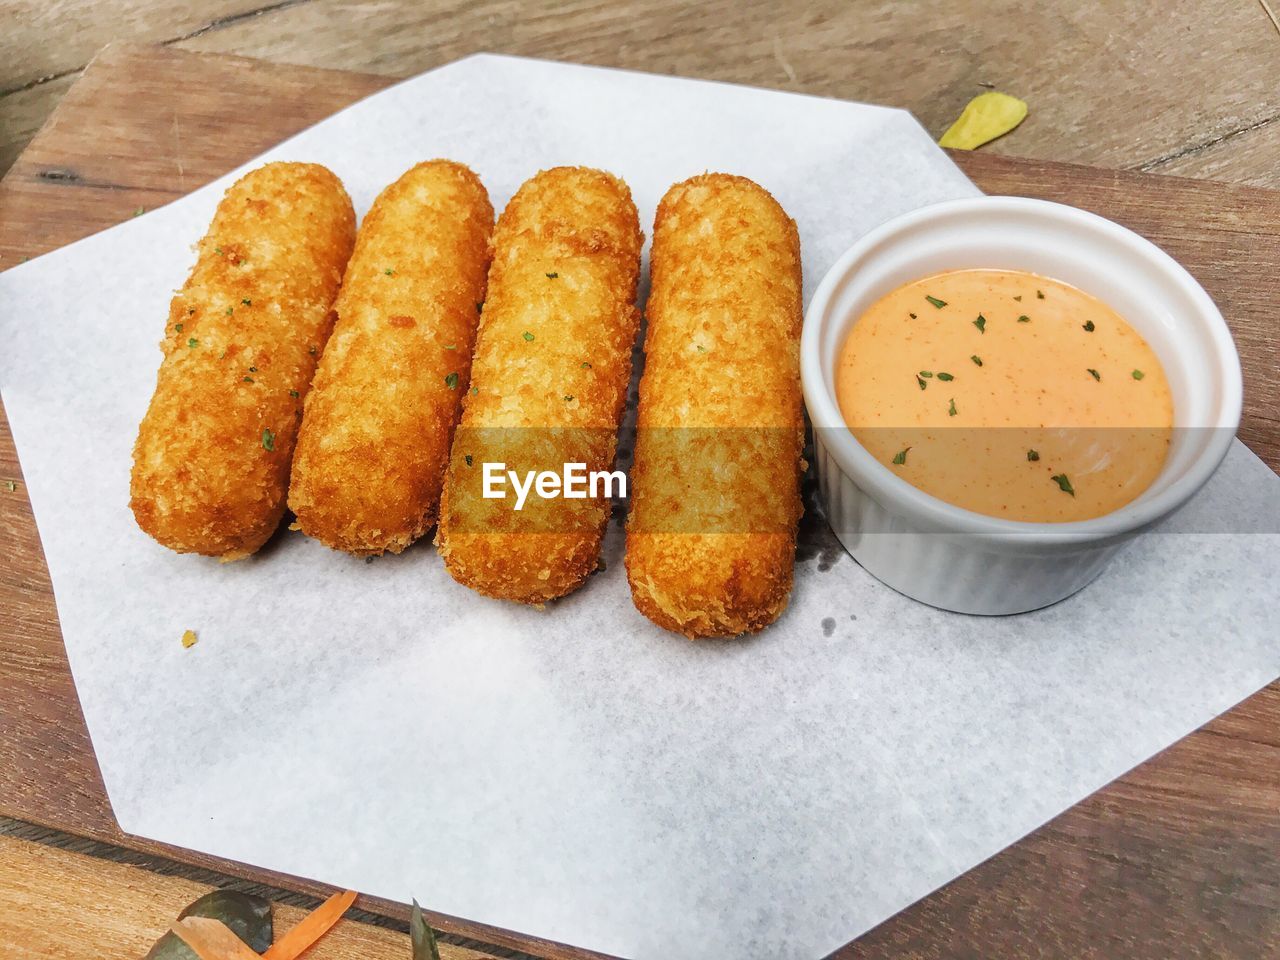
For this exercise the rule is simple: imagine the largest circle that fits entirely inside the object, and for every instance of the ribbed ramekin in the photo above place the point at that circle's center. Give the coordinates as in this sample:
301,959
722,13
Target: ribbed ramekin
968,562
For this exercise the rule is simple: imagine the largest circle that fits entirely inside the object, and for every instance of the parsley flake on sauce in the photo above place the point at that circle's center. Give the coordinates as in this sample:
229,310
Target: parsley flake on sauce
901,456
467,458
1088,327
926,373
528,336
936,302
1032,456
1039,294
568,398
451,381
1138,374
1024,319
177,327
981,323
479,306
951,410
920,380
293,393
552,276
193,342
585,365
976,359
945,376
247,379
268,441
247,302
389,272
230,310
1063,483
1095,374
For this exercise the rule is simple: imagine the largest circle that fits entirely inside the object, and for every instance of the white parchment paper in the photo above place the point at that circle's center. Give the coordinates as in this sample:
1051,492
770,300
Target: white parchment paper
577,773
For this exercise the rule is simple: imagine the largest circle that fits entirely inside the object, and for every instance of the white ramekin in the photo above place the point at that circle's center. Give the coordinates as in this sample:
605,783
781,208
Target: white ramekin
969,562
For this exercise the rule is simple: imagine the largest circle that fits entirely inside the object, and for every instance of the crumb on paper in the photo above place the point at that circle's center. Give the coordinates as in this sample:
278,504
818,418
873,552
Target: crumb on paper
188,639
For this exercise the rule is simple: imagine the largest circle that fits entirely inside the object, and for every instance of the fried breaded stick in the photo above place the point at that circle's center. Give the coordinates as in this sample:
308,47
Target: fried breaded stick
549,379
211,461
381,414
715,489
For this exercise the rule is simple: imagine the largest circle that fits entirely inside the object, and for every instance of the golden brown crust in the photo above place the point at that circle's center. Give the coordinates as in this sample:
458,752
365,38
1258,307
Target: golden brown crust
715,495
381,414
212,456
549,378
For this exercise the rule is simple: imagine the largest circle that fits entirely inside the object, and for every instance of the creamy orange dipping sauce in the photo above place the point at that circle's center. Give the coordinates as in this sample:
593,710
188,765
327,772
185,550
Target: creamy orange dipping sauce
1007,393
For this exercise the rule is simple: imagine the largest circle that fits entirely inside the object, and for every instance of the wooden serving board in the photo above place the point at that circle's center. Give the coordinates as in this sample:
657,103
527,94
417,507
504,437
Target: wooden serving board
1180,857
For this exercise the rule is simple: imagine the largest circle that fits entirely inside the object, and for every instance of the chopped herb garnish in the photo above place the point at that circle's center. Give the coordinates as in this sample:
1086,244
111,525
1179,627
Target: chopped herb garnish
936,302
585,365
1089,327
552,276
945,376
230,310
218,251
568,398
1039,295
479,306
451,346
253,369
981,323
1024,319
389,272
1063,483
1138,374
467,458
1095,374
951,410
911,315
293,393
901,456
268,441
140,211
1018,298
700,348
976,359
190,310
247,379
926,373
920,381
312,349
475,391
451,381
177,327
193,342
1033,456
528,336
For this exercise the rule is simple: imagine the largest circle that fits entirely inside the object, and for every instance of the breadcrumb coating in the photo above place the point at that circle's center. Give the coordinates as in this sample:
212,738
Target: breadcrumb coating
211,462
387,396
715,488
549,379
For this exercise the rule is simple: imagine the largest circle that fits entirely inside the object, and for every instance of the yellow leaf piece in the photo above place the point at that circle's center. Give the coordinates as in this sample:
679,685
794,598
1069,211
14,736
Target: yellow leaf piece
188,639
985,117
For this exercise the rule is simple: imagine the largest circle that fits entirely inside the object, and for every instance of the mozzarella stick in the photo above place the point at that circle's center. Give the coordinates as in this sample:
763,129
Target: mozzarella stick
548,383
211,462
715,488
381,414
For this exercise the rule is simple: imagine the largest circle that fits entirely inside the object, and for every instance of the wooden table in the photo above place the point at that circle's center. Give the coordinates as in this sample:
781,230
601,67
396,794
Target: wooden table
1179,87
1178,858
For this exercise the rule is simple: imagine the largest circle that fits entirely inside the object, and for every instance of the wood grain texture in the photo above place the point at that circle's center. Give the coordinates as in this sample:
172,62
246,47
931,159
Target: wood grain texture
1176,859
1117,84
54,904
